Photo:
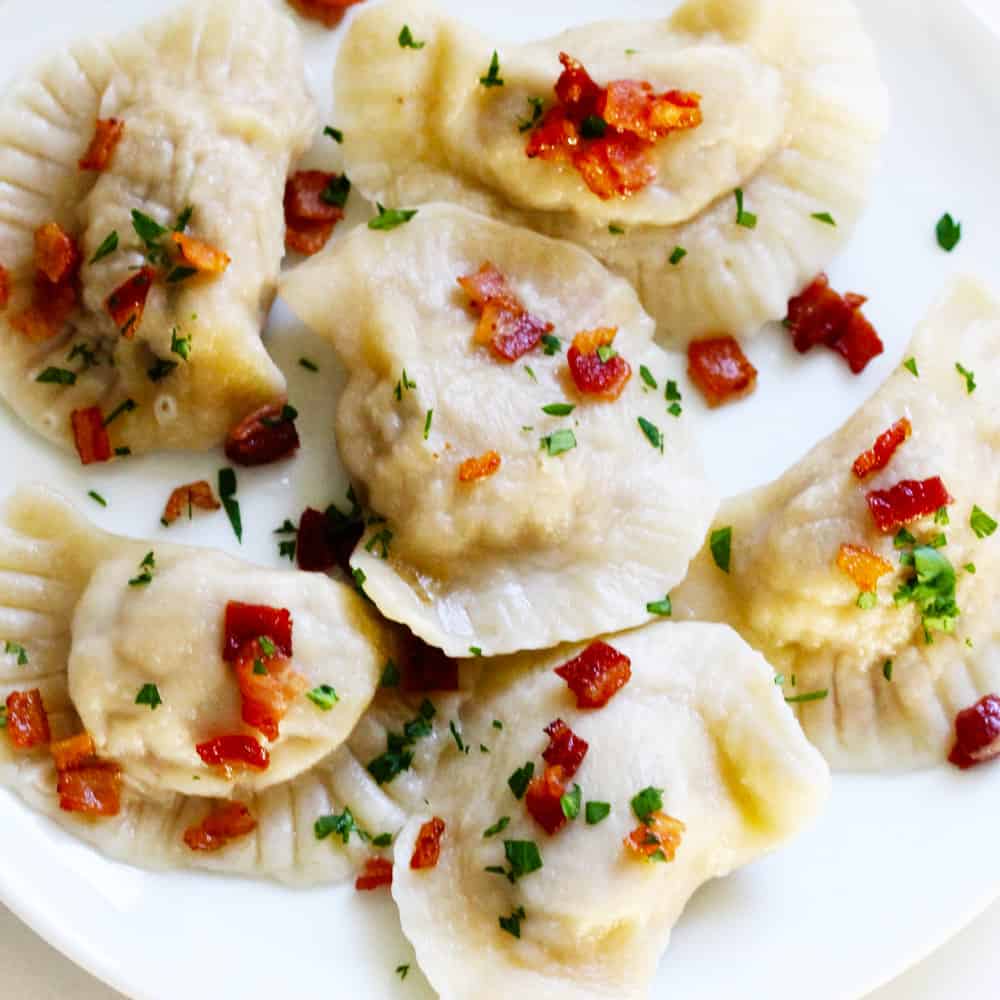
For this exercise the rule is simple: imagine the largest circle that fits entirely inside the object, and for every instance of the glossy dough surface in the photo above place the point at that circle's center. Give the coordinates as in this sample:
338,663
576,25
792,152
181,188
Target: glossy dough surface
550,547
214,105
793,107
701,718
785,594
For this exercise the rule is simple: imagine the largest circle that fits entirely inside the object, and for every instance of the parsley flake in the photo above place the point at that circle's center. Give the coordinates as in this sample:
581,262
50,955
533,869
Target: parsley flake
531,372
338,824
404,384
126,406
398,754
941,516
948,232
427,423
512,924
457,737
181,346
227,494
390,218
148,230
797,699
475,651
910,364
970,378
981,523
407,41
721,542
382,840
661,607
493,77
334,133
390,675
149,694
336,191
309,365
647,376
646,802
537,106
523,857
146,567
108,245
597,811
402,970
57,376
160,370
323,697
931,589
745,219
559,409
887,670
652,432
16,649
615,229
518,781
498,827
97,498
824,217
551,344
183,219
593,127
559,442
677,255
866,600
570,802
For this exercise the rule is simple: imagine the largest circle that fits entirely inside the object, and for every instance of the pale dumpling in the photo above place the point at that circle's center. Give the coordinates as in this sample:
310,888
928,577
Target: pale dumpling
213,105
793,111
586,510
879,687
700,719
139,666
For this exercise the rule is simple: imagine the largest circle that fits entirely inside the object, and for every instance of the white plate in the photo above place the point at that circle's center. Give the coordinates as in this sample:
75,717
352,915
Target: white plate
896,864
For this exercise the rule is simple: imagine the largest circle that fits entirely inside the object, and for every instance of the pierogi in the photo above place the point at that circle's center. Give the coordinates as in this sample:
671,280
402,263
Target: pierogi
698,738
144,175
878,672
791,111
520,509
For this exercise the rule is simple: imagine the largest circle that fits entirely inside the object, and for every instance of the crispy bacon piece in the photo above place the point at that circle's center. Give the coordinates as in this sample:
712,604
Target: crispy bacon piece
27,721
862,565
877,457
604,379
90,435
977,733
819,315
427,668
264,436
94,790
268,685
50,307
609,134
660,833
73,752
307,238
309,218
186,497
377,872
720,370
482,467
509,329
107,134
125,305
202,256
234,749
56,253
315,547
907,501
565,748
327,12
246,622
596,675
543,799
427,849
224,823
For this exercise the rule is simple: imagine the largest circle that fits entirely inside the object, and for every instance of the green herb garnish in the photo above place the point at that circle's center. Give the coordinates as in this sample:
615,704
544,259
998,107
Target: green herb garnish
949,232
720,542
981,523
652,432
646,802
559,442
677,255
493,78
407,41
745,219
537,106
824,217
390,218
146,567
970,378
323,697
498,827
108,245
661,607
559,409
570,802
647,376
227,494
57,376
518,781
796,699
149,694
97,498
597,811
16,649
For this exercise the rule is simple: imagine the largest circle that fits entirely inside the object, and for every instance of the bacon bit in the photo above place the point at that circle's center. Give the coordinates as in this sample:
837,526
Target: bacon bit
720,370
225,823
246,622
90,435
427,668
93,790
307,238
377,872
907,501
877,457
543,799
863,566
819,315
977,733
125,305
327,12
56,253
50,307
314,548
107,134
4,287
27,721
482,467
266,696
186,497
427,849
72,753
565,748
620,161
604,379
309,219
264,436
234,749
660,833
202,256
596,675
504,323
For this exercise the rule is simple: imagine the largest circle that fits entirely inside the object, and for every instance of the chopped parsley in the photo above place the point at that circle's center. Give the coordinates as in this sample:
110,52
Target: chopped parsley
593,127
570,802
382,840
559,409
398,754
323,697
336,191
497,724
596,811
910,364
402,970
390,218
948,232
390,675
57,376
16,649
648,801
887,670
616,230
146,567
181,273
126,406
183,219
309,365
677,255
97,498
531,372
931,589
457,737
721,543
824,217
537,105
404,384
407,41
428,420
902,538
941,516
227,494
498,827
606,352
493,77
382,539
108,245
512,924
551,344
359,577
559,441
149,694
181,346
518,781
673,396
475,651
340,825
981,523
969,568
148,230
970,378
523,857
745,219
867,600
647,376
652,432
160,370
267,645
334,133
797,699
286,547
661,607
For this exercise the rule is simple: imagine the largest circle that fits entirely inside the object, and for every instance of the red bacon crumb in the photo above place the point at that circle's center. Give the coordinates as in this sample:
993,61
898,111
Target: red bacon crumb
877,457
977,733
720,370
246,622
90,435
862,565
309,218
543,799
307,238
27,721
604,379
4,287
202,256
660,833
377,872
56,253
126,304
72,752
94,790
57,266
186,497
565,748
266,695
907,501
264,436
630,116
819,315
596,675
509,329
427,668
107,134
481,467
225,823
234,749
427,849
327,12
